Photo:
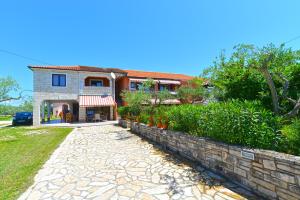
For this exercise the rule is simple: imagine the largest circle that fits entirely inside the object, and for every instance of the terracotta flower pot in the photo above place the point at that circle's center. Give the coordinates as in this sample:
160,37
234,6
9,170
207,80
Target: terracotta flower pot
165,126
159,123
151,121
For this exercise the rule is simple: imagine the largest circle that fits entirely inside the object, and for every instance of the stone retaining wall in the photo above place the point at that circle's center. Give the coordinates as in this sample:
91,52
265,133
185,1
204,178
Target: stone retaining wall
268,173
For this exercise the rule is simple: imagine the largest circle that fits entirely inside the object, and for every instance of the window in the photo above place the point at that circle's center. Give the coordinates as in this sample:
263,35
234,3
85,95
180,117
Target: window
164,87
97,83
59,80
135,85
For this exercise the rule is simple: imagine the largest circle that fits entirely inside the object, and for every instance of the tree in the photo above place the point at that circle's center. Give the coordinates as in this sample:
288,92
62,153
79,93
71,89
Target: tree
27,105
193,91
8,86
259,73
136,100
271,61
145,98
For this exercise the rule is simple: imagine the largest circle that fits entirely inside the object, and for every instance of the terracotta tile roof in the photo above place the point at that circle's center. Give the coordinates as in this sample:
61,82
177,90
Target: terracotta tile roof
157,75
130,73
80,68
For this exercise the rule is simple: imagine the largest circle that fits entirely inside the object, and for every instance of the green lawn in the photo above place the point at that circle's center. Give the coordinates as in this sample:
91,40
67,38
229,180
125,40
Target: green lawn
23,150
5,118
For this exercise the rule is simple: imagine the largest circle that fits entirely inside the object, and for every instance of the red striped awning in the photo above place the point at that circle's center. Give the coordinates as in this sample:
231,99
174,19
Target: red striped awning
95,101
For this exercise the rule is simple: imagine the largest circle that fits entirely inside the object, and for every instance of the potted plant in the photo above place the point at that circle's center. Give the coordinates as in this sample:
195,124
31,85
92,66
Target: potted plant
165,122
138,119
159,122
151,121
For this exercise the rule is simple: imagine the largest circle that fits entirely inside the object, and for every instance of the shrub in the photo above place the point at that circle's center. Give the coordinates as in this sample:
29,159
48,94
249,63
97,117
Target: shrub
123,112
244,123
292,136
144,118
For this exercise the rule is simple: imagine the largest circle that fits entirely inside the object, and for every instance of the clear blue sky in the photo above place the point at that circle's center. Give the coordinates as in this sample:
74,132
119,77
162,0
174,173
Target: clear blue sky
181,36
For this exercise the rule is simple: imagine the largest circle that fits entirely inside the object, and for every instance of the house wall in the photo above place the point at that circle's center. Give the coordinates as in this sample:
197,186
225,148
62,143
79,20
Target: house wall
75,86
121,84
43,89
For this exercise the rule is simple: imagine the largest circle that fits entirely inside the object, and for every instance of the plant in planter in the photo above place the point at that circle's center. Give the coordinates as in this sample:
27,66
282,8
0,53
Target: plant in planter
165,122
123,112
138,119
151,121
159,122
135,101
144,117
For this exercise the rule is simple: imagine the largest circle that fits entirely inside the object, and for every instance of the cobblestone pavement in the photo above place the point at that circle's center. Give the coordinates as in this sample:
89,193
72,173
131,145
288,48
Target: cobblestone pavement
108,162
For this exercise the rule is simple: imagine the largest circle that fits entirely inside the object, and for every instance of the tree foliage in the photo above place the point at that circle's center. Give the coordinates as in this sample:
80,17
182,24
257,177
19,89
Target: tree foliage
269,74
145,98
25,106
8,86
193,91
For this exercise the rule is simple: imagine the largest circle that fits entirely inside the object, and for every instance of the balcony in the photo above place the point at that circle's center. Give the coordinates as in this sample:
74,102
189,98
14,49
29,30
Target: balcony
92,90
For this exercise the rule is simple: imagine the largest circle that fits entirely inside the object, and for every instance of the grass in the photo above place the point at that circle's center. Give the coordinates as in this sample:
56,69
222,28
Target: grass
23,150
5,118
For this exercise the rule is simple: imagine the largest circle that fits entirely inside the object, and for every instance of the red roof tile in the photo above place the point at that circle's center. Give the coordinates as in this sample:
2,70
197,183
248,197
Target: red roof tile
80,68
157,75
130,73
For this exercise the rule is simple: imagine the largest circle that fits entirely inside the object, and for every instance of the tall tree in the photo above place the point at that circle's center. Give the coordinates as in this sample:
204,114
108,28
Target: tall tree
8,88
260,73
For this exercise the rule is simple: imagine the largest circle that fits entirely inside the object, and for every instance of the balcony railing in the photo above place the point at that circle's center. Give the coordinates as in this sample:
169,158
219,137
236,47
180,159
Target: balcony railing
92,90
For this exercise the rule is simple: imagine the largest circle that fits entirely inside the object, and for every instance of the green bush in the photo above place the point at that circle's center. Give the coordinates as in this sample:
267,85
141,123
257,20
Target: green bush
144,118
234,122
245,123
292,136
123,111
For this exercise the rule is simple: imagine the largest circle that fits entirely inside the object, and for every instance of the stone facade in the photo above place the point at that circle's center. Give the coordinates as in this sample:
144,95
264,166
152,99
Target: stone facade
270,174
45,92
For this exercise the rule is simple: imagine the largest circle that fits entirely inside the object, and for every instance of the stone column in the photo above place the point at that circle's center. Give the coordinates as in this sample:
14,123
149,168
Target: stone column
82,114
43,111
112,87
48,111
36,112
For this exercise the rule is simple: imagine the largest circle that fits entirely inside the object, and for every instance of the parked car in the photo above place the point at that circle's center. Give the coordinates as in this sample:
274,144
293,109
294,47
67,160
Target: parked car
22,118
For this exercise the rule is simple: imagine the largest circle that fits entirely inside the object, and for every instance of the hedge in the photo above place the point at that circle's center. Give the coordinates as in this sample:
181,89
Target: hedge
234,122
245,123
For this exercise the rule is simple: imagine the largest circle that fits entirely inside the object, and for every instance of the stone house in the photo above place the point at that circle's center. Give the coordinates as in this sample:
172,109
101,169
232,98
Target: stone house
87,92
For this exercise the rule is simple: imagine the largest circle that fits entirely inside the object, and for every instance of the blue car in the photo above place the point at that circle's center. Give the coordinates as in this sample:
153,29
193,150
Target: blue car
22,118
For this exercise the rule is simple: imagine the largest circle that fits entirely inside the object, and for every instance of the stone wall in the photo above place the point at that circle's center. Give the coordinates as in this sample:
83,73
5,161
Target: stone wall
270,174
44,91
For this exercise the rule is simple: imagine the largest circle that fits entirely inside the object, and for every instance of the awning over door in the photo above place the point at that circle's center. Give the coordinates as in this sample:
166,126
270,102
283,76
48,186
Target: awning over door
96,101
157,81
140,80
169,82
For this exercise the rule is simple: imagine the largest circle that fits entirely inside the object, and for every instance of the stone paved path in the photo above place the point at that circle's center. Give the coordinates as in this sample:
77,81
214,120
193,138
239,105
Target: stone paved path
108,162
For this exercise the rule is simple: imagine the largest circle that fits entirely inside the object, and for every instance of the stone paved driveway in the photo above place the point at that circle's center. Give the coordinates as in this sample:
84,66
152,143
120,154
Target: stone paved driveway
108,162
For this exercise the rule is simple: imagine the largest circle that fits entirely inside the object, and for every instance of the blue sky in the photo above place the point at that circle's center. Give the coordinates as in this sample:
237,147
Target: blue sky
180,36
